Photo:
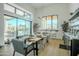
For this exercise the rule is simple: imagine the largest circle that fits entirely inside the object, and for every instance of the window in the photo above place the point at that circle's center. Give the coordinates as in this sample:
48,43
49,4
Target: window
24,27
43,25
9,8
10,28
21,27
54,22
49,22
27,16
16,27
19,12
28,28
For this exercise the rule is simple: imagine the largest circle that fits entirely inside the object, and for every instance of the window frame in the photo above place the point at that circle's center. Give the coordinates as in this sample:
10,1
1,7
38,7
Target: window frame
20,18
11,8
20,11
51,22
15,11
25,26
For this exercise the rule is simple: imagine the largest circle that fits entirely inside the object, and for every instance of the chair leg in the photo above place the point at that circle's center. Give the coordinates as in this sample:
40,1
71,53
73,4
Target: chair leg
34,52
26,52
14,53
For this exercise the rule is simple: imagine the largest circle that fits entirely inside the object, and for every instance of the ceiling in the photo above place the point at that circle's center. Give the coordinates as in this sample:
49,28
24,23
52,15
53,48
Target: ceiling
38,5
35,5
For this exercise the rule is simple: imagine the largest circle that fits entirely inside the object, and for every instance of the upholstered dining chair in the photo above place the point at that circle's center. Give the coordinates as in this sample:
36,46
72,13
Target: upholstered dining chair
19,47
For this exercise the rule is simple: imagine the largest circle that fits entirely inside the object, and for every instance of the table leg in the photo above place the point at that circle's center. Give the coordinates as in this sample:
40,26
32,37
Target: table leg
36,48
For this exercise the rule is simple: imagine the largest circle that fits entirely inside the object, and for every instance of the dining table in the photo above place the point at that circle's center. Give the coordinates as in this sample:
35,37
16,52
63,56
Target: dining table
32,44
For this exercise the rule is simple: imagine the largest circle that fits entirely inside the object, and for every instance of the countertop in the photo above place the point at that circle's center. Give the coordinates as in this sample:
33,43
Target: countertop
71,37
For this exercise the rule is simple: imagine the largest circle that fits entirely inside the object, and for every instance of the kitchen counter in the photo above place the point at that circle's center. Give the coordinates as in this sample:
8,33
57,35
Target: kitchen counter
71,37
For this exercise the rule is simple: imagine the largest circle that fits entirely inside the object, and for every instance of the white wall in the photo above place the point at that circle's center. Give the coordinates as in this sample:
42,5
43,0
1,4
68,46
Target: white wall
62,10
1,25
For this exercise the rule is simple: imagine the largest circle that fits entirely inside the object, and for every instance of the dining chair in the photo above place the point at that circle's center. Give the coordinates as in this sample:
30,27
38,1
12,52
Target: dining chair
19,47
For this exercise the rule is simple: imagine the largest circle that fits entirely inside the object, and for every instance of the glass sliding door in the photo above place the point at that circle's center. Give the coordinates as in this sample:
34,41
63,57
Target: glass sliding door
21,27
10,28
27,32
16,28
